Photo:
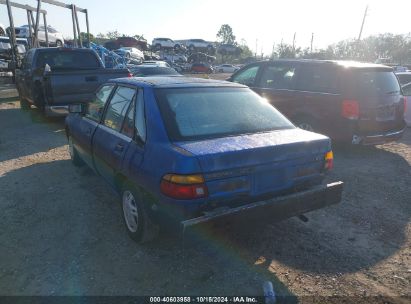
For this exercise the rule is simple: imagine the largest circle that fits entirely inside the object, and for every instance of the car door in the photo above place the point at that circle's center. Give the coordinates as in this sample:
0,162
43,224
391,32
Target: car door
83,129
277,84
26,75
110,142
247,76
319,97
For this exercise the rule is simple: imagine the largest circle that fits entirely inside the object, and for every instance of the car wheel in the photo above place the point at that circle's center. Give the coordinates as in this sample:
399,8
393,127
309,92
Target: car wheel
59,43
2,32
177,47
221,71
138,224
74,156
191,48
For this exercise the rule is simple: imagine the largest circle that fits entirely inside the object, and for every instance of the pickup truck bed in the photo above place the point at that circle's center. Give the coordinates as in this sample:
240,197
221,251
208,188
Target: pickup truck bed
53,78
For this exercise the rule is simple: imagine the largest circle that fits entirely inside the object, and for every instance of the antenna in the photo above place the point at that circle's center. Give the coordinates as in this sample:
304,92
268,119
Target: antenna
363,22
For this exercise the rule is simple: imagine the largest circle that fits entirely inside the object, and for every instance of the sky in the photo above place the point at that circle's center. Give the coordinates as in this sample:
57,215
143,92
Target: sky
261,23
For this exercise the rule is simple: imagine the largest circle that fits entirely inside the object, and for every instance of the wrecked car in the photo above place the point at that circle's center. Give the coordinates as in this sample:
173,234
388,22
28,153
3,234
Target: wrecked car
191,151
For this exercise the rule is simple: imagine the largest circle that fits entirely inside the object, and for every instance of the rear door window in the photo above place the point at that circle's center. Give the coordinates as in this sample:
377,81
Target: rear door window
247,76
318,78
279,76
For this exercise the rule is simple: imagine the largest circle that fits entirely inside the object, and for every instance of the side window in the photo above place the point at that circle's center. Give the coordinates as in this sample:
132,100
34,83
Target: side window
117,109
319,78
128,125
248,76
96,107
278,76
141,117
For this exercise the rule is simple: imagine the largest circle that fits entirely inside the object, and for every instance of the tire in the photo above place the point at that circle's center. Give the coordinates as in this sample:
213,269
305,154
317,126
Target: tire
24,104
39,100
177,47
191,48
74,156
136,220
59,43
2,32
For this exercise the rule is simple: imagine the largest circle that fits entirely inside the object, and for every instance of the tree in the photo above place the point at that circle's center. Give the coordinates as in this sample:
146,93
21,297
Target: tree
113,35
226,35
84,37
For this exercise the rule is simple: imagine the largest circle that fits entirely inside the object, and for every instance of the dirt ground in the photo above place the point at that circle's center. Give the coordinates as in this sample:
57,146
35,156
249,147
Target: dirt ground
61,231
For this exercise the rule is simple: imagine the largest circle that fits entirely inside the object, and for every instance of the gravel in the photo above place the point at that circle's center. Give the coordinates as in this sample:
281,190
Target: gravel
61,231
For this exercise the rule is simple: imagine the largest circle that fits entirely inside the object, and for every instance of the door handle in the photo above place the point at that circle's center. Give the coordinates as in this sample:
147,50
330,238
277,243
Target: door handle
119,147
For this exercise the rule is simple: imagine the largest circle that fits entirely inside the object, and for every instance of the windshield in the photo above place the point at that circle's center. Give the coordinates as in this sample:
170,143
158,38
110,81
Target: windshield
203,113
69,59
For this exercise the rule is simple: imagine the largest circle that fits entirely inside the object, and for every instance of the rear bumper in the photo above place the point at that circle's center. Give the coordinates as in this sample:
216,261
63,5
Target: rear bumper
56,111
377,138
275,209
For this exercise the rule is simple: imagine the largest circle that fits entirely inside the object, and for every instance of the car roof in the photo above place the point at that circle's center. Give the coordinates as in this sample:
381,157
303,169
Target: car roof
174,82
343,63
403,73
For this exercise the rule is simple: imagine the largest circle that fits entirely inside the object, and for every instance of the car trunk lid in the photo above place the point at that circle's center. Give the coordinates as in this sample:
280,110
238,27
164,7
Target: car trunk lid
259,164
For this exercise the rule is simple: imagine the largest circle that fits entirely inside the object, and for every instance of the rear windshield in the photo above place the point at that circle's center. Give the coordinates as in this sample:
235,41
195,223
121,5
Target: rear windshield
376,82
68,60
154,70
203,113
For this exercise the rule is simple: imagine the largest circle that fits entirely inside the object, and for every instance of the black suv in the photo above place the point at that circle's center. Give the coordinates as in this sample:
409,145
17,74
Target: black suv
348,101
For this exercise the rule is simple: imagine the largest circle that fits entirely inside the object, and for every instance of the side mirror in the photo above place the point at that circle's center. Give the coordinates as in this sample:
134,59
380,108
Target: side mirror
77,108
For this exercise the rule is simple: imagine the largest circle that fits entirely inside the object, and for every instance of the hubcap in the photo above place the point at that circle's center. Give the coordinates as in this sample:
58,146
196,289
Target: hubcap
306,126
130,211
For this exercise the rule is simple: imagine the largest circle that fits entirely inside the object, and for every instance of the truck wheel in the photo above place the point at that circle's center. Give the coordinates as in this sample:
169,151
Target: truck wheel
39,100
75,158
24,104
138,224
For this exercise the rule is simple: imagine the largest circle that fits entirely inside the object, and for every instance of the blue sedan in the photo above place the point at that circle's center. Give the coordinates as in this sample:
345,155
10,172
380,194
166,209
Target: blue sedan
190,151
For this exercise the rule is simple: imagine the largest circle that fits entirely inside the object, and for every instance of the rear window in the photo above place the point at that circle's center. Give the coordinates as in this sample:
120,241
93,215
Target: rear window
147,71
376,82
203,113
404,78
68,60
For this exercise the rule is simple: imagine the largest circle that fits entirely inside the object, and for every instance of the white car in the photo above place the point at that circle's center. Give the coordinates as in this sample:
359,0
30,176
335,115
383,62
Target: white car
165,43
2,30
131,54
157,63
55,37
406,89
226,68
193,44
174,58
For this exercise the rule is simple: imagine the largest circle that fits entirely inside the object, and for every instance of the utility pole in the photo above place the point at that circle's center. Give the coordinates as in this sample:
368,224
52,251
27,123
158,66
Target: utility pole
363,21
312,40
294,42
256,48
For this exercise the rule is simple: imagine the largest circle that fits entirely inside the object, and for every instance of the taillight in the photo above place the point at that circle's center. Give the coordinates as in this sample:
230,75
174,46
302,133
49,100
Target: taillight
184,187
350,109
329,161
129,74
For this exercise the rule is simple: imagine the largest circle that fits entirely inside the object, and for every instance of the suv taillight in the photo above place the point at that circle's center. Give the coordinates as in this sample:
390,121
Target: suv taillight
184,187
350,109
